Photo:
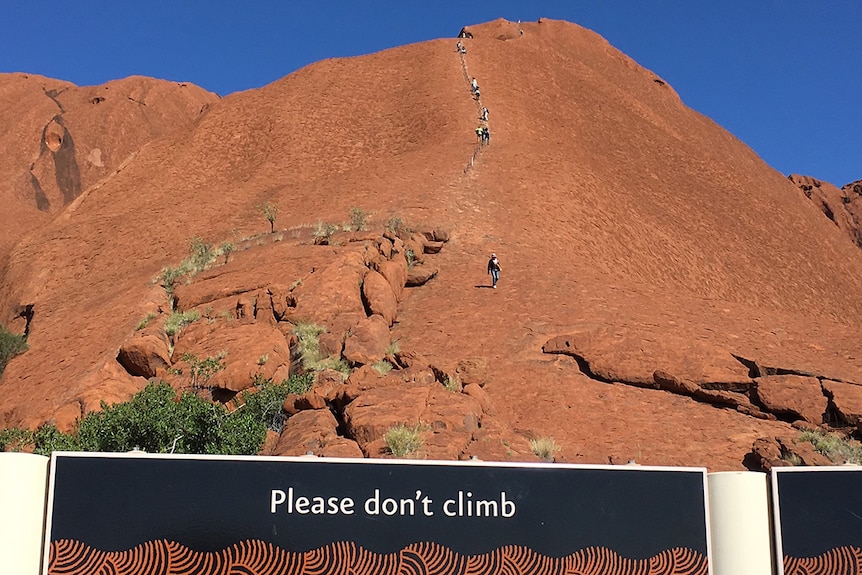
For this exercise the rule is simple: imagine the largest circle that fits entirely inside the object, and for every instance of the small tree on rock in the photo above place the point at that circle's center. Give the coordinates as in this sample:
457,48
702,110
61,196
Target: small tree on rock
269,211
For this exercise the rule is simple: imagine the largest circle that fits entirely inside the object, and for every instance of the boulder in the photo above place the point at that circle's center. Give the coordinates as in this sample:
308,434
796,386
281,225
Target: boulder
472,370
379,296
417,375
307,431
847,398
420,275
444,444
330,296
670,383
326,389
395,272
340,447
367,341
384,246
433,247
769,452
414,248
282,301
437,235
481,396
368,417
797,395
146,353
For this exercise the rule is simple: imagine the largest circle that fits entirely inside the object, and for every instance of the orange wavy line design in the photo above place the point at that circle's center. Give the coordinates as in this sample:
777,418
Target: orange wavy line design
842,560
68,557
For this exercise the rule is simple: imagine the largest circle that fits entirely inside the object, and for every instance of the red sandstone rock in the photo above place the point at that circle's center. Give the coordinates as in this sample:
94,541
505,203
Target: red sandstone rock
248,351
367,341
380,297
451,411
847,398
836,205
331,296
375,411
61,140
793,394
395,272
420,275
481,396
472,370
432,247
633,276
307,431
146,353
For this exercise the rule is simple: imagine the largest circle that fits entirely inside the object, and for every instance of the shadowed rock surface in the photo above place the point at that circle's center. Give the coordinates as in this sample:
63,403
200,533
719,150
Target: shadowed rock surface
665,295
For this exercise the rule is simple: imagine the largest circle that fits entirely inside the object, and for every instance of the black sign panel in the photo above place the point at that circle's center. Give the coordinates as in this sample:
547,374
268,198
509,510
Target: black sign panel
127,514
818,519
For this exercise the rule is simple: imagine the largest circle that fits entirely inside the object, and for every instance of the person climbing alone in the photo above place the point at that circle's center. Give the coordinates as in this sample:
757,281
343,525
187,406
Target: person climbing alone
474,85
494,270
484,114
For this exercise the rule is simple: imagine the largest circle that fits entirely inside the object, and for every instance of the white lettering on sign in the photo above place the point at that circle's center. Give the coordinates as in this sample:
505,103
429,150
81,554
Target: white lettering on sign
303,505
463,505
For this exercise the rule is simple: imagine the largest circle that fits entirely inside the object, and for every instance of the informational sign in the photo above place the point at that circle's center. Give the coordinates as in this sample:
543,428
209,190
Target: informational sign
817,514
135,514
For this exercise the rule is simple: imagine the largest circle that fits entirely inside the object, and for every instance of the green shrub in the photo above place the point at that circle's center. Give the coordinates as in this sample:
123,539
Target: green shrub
336,364
308,344
410,255
322,232
15,439
403,440
299,384
453,384
358,219
10,345
264,401
837,449
307,350
146,321
544,447
201,370
225,249
158,421
170,278
176,321
201,256
48,438
395,225
393,348
382,367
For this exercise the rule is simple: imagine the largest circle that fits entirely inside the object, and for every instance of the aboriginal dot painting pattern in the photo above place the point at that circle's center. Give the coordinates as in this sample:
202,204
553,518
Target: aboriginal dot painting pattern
840,561
258,558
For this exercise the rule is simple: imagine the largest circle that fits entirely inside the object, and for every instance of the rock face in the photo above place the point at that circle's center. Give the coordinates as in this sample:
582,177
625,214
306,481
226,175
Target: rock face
665,296
843,207
61,140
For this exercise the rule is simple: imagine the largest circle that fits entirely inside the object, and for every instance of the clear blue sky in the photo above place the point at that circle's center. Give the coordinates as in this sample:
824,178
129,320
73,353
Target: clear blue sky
785,76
